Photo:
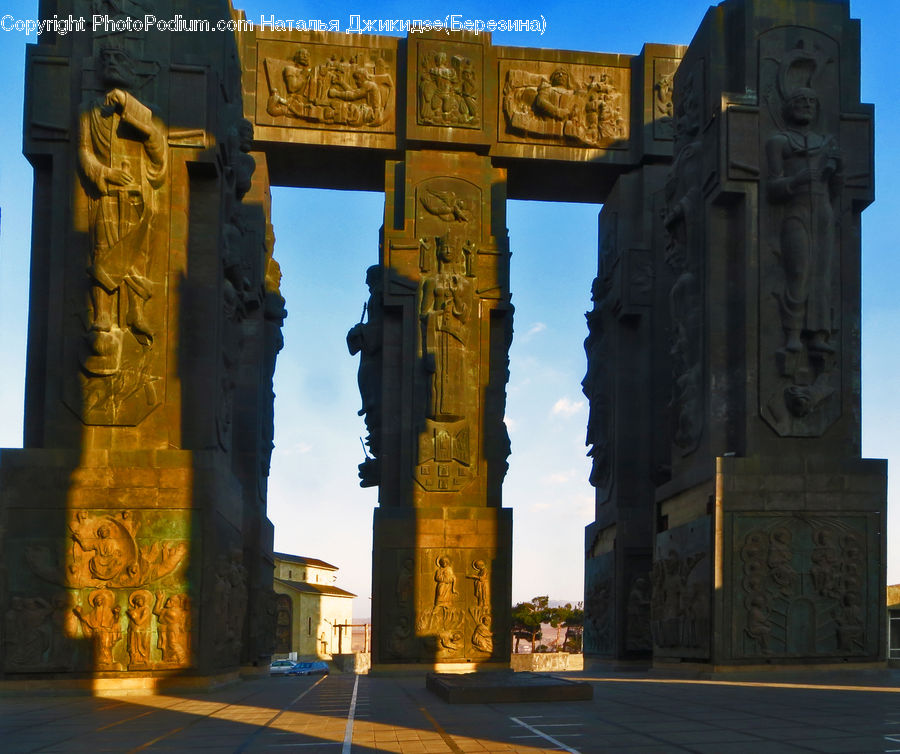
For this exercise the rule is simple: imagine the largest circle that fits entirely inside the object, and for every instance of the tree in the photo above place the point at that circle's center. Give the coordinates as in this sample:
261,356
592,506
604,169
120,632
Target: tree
558,618
527,618
574,629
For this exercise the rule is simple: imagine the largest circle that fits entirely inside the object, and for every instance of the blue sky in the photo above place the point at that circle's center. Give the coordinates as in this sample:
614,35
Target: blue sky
325,241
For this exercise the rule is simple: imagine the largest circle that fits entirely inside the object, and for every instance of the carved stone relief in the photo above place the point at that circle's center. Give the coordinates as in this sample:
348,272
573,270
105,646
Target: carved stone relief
684,255
663,89
449,87
448,320
439,610
107,550
365,338
801,250
102,623
680,601
139,617
597,388
322,86
173,634
573,105
802,583
123,161
637,616
283,624
599,603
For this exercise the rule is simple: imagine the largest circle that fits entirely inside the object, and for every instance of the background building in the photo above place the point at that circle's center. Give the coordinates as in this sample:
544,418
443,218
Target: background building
314,615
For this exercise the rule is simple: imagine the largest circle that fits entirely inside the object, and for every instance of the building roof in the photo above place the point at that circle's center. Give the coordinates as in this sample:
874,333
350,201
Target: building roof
325,589
314,562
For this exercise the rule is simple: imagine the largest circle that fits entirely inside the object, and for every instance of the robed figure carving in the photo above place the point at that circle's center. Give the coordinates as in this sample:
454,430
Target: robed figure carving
805,178
446,305
123,157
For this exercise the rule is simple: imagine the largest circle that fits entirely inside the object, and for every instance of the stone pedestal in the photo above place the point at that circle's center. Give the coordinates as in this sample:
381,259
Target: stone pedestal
442,560
135,540
769,547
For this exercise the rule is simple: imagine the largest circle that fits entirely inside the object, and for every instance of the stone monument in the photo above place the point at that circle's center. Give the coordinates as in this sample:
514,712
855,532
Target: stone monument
735,522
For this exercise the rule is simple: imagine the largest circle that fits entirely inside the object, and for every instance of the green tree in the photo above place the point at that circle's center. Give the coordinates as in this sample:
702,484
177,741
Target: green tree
527,618
574,629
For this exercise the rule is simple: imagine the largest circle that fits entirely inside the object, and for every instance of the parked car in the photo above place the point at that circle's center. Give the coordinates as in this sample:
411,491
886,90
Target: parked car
309,668
281,667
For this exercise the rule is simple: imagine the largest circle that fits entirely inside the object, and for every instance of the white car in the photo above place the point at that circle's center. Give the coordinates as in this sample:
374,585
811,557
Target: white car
280,667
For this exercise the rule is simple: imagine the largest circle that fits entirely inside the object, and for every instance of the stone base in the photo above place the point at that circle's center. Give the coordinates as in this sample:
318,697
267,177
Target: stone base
546,662
776,671
786,569
131,685
441,586
447,668
507,687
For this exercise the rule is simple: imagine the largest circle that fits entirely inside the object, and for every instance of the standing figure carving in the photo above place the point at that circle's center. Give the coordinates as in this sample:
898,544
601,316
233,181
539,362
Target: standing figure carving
482,579
445,583
445,308
364,338
102,623
172,619
123,157
596,389
804,177
139,616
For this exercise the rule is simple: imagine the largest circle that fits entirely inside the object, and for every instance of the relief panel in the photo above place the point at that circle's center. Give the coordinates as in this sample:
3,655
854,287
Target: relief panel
800,584
331,87
544,102
449,85
800,254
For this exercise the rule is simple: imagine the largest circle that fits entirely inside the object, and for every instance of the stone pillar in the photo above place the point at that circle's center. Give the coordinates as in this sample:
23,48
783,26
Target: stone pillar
770,546
442,543
624,410
135,514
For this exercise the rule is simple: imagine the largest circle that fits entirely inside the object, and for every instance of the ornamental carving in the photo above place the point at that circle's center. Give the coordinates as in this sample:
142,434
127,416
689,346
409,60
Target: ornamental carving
365,338
448,320
107,550
597,387
123,161
803,185
574,105
449,87
683,224
802,583
330,87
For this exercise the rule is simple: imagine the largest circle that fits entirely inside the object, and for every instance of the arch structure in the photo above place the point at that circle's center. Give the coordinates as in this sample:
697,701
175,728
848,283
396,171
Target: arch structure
736,523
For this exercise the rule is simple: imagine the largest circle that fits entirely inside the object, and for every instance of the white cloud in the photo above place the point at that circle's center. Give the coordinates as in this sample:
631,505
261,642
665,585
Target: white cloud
567,407
511,424
536,328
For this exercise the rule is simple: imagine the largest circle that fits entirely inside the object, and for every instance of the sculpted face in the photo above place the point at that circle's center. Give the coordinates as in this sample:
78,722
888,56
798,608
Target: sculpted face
116,67
802,106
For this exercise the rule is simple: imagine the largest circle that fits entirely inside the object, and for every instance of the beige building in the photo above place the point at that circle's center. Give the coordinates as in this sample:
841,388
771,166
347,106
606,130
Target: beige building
314,615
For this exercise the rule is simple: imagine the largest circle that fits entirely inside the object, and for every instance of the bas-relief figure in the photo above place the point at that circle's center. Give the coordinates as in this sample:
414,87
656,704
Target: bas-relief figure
139,619
684,251
447,341
449,89
365,338
355,90
102,623
111,550
804,179
596,388
578,105
173,614
123,157
679,604
803,582
26,632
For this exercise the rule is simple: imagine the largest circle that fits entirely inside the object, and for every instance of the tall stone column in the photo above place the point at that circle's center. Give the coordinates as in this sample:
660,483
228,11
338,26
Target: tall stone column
770,546
133,521
442,543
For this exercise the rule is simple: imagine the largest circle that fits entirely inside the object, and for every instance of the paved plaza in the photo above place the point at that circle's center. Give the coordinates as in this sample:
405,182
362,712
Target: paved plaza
640,713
